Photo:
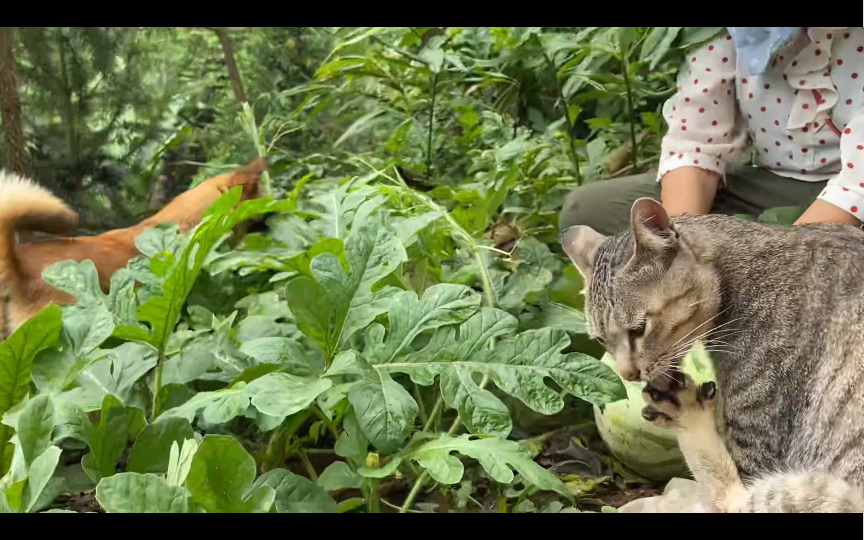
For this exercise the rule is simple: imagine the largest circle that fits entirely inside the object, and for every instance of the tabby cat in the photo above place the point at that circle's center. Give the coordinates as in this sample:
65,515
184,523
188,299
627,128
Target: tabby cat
782,311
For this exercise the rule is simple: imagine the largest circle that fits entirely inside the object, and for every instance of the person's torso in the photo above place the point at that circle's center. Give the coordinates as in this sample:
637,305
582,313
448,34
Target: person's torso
797,111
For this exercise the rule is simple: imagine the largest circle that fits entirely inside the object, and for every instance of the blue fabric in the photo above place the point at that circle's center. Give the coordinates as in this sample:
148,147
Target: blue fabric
757,45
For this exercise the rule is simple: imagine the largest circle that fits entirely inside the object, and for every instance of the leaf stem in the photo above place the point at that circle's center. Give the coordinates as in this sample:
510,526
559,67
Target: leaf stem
502,502
324,451
324,418
418,485
247,118
387,503
418,397
433,416
157,385
307,464
488,291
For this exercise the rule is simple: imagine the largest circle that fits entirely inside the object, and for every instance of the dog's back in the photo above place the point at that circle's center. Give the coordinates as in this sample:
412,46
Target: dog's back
25,206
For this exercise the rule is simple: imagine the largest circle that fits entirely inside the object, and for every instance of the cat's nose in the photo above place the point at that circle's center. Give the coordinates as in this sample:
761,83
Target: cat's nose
629,374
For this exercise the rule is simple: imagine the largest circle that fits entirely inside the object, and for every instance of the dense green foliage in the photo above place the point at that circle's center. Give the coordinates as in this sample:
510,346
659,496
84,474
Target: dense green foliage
406,307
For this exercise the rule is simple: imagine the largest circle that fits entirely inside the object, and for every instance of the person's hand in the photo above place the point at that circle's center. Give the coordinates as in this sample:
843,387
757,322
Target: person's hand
689,190
825,212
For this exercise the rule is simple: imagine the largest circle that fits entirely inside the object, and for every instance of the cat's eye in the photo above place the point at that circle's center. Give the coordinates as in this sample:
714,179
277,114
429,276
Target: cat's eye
638,332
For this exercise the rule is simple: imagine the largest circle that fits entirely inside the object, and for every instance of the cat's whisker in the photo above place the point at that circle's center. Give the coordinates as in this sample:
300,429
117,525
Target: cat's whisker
682,348
725,324
719,330
700,326
730,347
708,345
725,333
664,371
725,351
720,342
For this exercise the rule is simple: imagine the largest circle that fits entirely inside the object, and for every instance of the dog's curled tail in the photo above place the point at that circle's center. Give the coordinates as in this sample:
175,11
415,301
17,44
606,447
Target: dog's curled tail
26,206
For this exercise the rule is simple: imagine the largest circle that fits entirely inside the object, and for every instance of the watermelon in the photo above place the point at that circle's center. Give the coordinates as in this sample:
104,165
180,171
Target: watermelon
649,450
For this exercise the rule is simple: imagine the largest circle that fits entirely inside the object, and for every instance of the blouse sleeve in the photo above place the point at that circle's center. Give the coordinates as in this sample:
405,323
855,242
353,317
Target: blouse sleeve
846,190
705,127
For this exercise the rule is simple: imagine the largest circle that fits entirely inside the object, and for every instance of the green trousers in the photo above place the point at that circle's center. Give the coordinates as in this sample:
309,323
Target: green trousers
605,205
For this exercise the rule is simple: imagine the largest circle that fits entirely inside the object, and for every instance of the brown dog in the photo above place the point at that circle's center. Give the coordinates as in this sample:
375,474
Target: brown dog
26,206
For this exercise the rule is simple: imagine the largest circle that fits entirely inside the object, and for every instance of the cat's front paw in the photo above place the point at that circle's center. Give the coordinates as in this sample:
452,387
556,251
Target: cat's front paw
666,407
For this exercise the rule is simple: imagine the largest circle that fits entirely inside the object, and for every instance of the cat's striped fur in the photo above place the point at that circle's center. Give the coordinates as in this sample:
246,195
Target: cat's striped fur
782,309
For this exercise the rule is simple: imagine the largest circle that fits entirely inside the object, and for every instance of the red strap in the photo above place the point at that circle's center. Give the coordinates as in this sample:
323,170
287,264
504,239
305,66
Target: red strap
830,122
833,127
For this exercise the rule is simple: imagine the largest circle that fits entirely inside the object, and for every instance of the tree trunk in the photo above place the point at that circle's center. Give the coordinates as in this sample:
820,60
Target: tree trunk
231,64
159,192
10,112
72,141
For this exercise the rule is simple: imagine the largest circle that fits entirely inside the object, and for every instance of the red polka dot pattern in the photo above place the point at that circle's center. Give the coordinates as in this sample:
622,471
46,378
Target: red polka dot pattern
784,113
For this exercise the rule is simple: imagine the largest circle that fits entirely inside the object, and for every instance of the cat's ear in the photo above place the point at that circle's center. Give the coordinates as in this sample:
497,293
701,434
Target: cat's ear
581,243
652,228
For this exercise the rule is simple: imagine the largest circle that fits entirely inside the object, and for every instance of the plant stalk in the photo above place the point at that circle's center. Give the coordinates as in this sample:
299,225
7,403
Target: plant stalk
634,149
571,144
431,127
373,501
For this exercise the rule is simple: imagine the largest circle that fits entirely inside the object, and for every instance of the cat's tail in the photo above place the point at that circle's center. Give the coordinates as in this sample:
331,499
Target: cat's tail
26,206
